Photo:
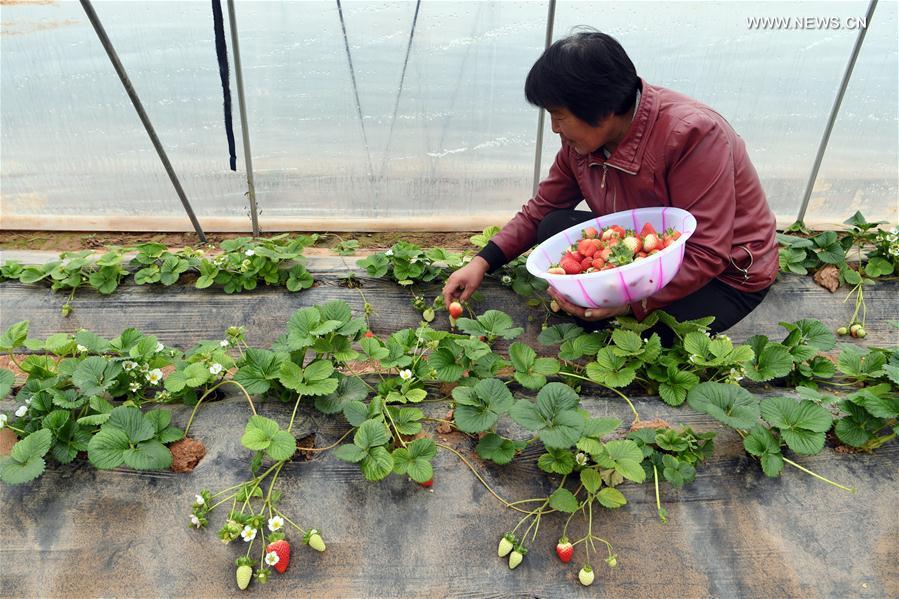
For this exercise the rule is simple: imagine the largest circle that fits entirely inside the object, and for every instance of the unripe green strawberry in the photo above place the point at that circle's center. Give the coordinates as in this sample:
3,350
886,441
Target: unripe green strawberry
428,315
244,572
585,576
314,539
516,556
506,544
262,576
842,331
861,333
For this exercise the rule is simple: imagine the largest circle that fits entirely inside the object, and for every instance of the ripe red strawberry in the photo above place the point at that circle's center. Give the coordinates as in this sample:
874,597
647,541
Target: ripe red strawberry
455,310
648,229
651,242
590,233
282,550
571,266
598,263
605,253
564,550
586,263
369,334
577,256
582,245
589,250
427,483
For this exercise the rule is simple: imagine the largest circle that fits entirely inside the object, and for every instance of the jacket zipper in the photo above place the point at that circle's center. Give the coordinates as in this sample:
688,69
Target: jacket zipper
605,169
602,182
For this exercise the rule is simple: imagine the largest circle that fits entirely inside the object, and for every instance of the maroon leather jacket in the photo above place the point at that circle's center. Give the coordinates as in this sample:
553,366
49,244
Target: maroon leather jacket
677,152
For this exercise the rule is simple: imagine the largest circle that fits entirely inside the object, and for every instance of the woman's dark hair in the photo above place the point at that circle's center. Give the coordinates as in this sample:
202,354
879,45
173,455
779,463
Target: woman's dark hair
589,73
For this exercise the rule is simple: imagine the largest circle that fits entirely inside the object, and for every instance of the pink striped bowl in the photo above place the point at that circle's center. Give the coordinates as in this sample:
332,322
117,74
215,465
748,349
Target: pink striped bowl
625,284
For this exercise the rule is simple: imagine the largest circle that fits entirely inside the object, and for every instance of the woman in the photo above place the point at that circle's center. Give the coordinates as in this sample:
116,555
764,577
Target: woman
628,144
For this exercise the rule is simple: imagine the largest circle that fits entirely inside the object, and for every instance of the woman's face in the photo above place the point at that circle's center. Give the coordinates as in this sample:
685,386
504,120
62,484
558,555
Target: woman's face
580,135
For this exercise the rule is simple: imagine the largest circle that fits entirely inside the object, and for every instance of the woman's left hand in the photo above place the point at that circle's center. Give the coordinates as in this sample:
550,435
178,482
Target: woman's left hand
589,314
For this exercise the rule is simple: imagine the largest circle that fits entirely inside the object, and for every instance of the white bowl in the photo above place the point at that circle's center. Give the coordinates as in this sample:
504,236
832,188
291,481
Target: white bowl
624,284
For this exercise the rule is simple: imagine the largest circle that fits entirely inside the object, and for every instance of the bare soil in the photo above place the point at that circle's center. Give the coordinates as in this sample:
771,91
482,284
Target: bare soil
186,454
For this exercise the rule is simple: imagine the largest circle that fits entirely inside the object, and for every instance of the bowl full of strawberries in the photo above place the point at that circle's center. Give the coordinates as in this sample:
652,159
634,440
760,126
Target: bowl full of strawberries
614,259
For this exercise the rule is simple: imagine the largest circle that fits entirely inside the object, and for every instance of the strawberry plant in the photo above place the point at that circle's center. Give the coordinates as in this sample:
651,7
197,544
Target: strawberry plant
674,454
239,266
407,263
89,394
875,252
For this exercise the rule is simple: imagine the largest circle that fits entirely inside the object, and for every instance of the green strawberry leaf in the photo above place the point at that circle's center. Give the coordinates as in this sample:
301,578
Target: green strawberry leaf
563,500
729,404
377,464
611,498
478,408
761,443
498,449
371,433
554,417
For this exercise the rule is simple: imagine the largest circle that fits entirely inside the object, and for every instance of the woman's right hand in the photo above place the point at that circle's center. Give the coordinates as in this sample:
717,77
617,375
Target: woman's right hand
465,281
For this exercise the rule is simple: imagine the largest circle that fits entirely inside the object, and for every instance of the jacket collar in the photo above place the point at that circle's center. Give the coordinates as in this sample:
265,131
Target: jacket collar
628,156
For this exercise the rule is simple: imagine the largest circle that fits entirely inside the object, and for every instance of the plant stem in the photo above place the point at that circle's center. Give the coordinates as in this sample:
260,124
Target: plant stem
818,476
655,475
294,415
289,521
399,437
623,396
483,482
205,395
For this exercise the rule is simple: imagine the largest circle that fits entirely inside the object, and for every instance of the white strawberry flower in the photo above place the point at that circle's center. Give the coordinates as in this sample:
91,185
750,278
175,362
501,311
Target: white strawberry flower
28,401
128,365
135,386
81,349
198,499
195,521
581,458
248,533
405,374
3,419
154,376
275,523
271,558
144,367
21,411
249,253
224,343
388,253
159,347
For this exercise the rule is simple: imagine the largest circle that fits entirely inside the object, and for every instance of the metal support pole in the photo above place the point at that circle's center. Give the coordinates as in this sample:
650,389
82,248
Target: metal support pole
550,18
120,71
835,110
244,128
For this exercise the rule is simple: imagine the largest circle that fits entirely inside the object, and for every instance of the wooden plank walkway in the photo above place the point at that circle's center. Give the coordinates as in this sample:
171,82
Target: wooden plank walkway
732,533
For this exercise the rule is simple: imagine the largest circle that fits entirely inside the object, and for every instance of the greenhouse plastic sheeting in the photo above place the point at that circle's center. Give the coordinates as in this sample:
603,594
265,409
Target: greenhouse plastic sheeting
443,133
